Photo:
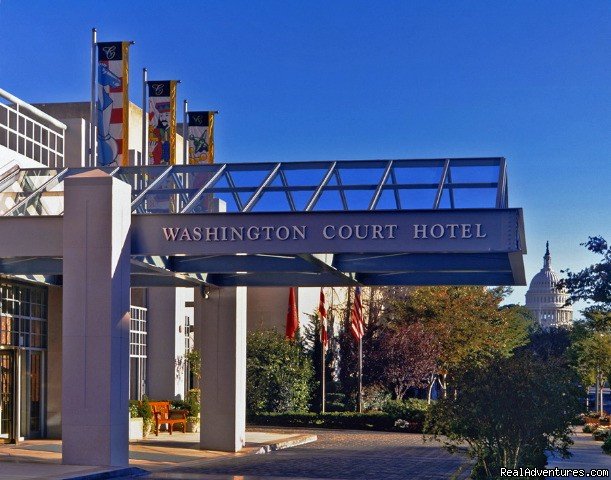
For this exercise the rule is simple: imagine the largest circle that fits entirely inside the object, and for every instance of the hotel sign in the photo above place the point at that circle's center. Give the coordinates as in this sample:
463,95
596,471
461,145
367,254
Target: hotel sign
328,232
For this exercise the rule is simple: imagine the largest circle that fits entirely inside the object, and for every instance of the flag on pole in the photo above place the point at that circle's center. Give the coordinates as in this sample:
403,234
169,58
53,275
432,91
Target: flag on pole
292,320
201,137
322,313
113,103
162,122
356,316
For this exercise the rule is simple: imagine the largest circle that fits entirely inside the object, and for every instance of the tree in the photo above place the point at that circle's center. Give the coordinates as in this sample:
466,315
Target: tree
546,344
373,308
312,346
402,357
467,322
278,374
593,283
587,351
509,412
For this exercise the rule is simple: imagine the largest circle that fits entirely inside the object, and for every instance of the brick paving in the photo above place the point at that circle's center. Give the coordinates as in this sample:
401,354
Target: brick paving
338,455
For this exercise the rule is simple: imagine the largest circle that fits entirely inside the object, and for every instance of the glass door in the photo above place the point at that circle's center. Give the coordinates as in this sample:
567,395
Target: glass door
32,394
7,395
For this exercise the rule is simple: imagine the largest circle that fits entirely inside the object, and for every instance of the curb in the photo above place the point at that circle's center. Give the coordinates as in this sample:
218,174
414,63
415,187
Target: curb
300,440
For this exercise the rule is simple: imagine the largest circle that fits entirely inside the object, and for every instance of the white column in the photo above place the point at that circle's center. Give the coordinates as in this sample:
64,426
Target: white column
165,342
95,376
222,321
54,361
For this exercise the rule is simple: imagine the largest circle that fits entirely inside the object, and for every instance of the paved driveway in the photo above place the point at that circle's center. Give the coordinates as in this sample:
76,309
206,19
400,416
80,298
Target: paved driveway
353,455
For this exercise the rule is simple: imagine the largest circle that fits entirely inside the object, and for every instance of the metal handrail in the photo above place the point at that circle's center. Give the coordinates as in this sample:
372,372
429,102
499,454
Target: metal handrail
39,113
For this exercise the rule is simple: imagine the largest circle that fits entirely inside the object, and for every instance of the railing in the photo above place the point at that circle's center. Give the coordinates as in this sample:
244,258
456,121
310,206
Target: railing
30,132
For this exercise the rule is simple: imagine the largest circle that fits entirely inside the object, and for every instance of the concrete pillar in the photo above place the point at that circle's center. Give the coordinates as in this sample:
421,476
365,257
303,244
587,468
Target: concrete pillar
54,362
165,342
75,151
95,376
222,317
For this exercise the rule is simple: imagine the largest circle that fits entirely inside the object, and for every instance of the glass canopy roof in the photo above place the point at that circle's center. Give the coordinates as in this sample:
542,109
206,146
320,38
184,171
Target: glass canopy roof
277,187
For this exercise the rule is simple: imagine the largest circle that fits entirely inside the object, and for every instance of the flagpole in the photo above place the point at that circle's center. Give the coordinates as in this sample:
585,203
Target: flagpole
145,153
322,380
360,395
92,107
185,140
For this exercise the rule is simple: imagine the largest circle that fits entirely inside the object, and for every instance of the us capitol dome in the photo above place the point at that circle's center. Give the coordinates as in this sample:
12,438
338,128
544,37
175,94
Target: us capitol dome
546,302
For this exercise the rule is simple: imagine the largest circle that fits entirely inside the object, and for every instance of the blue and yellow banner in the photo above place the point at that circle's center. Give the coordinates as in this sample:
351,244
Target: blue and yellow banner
200,135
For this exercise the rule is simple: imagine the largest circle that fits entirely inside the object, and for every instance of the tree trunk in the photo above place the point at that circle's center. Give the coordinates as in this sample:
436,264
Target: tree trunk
444,385
430,392
587,399
601,382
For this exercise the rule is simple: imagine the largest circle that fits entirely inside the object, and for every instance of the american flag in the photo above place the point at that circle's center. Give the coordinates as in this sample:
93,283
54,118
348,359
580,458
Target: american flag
322,313
356,316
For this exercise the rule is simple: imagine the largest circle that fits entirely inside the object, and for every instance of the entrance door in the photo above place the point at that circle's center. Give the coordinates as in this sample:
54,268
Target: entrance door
7,395
32,407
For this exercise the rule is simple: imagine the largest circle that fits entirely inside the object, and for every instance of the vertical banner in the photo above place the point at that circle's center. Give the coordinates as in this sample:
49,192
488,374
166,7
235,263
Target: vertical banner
113,103
201,137
162,122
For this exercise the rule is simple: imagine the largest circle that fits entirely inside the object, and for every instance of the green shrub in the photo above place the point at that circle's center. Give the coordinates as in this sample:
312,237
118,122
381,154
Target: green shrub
142,408
335,407
411,409
193,402
607,445
180,405
133,409
374,398
601,434
279,377
589,428
495,416
345,420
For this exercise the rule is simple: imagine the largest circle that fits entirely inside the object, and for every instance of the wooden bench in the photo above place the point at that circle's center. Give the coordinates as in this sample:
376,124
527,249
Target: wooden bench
165,416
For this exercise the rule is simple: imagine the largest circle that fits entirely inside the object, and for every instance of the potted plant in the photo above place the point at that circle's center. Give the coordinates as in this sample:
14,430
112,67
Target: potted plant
193,404
135,421
146,412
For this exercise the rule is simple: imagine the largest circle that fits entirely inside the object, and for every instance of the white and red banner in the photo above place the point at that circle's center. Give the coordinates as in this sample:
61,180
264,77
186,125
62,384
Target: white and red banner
113,103
162,122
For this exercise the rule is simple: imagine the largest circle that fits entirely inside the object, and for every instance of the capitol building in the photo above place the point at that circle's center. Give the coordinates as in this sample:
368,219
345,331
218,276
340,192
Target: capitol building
548,304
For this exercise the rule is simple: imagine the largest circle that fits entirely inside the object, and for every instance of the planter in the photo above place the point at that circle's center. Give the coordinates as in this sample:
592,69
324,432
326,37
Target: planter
146,429
135,428
192,425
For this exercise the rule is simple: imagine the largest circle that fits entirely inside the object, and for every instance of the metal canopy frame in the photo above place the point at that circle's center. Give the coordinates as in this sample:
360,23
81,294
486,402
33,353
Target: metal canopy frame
322,186
286,186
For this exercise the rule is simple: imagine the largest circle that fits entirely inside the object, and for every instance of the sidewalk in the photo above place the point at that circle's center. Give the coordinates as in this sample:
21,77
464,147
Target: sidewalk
41,459
587,455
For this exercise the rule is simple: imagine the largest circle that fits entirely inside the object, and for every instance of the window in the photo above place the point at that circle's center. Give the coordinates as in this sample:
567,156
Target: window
137,353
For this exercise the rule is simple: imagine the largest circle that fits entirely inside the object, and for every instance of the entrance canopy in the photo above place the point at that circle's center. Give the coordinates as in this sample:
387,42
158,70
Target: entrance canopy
382,222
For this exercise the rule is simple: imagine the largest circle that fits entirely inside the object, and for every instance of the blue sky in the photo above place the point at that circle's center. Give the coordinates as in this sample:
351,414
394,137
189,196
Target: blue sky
359,79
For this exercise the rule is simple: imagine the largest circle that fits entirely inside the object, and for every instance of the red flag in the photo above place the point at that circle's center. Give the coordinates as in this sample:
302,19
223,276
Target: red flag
322,313
292,320
356,316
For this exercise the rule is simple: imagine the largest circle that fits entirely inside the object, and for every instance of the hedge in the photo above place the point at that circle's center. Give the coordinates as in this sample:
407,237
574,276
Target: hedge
347,420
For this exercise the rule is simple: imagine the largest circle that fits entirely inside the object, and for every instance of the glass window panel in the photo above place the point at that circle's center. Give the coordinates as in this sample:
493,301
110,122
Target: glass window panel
272,202
474,174
475,197
359,199
413,199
